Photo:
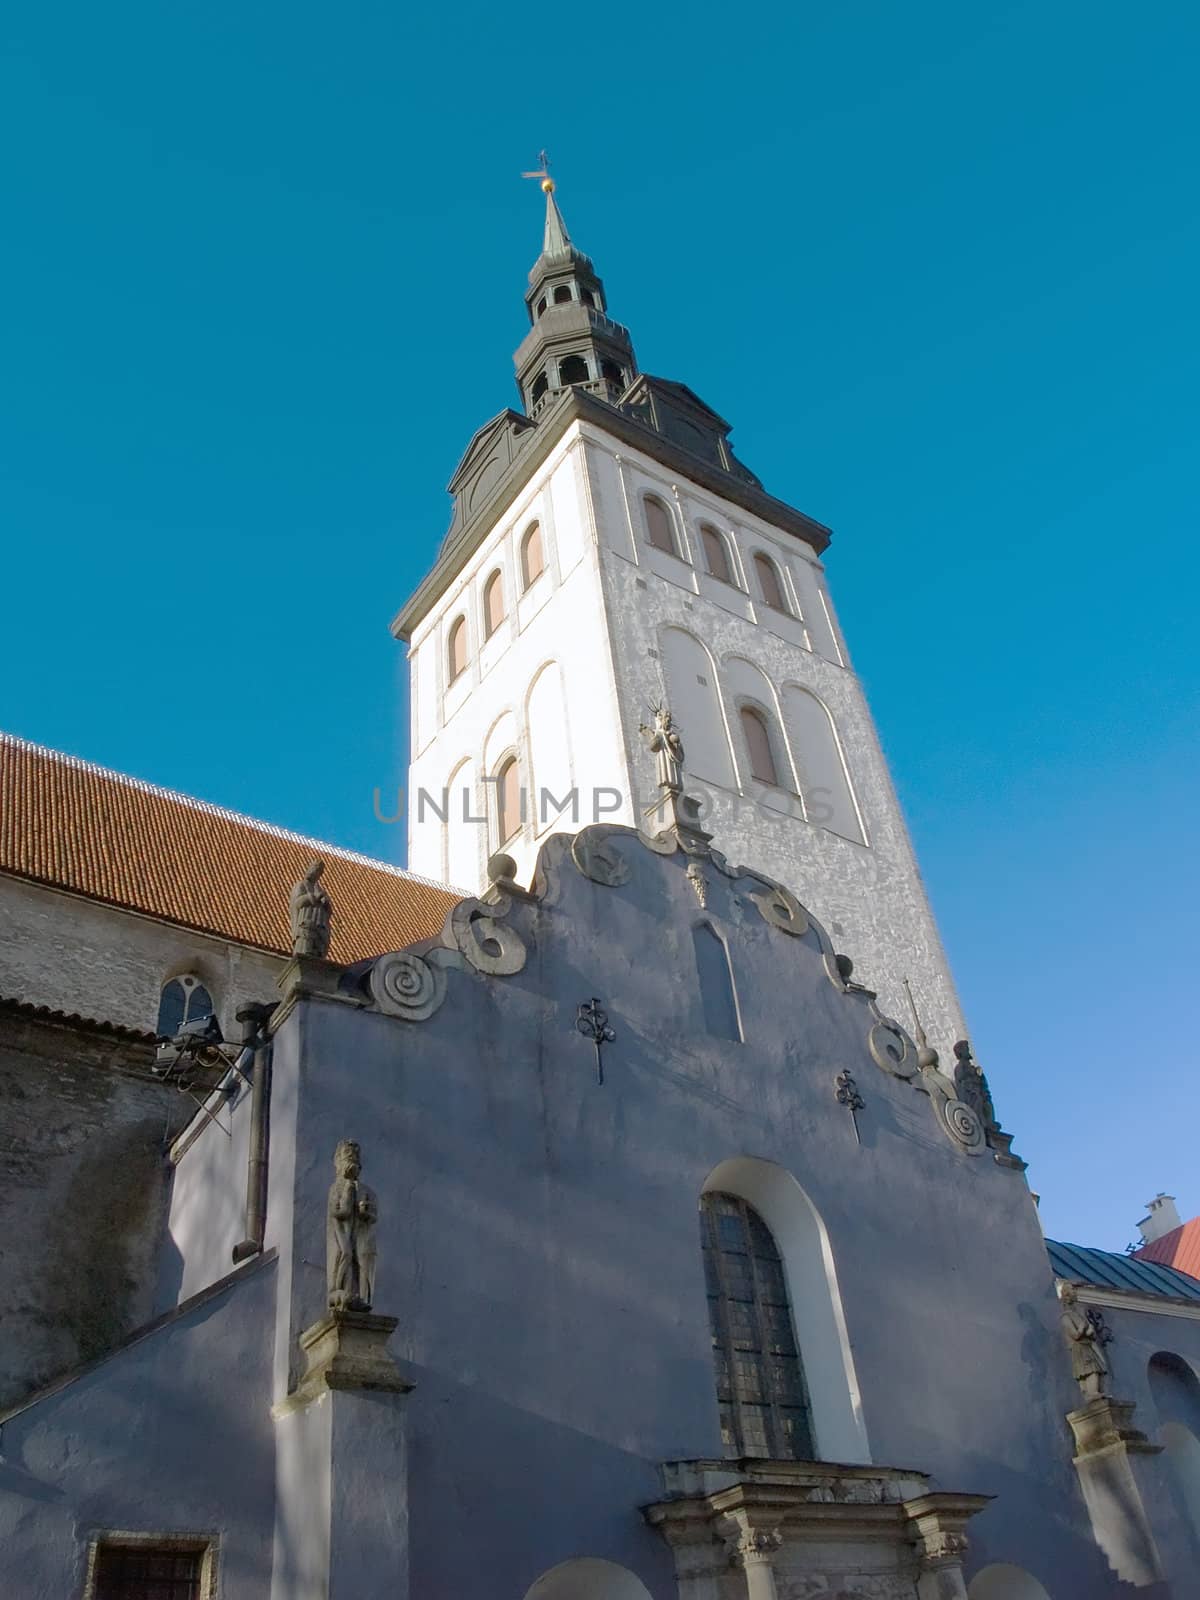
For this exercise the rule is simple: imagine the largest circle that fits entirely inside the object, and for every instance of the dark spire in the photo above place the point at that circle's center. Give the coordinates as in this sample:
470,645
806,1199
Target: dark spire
572,340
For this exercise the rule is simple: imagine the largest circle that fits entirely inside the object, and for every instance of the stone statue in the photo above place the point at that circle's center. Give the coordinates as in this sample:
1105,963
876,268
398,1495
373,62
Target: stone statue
311,912
972,1086
350,1233
1089,1364
663,741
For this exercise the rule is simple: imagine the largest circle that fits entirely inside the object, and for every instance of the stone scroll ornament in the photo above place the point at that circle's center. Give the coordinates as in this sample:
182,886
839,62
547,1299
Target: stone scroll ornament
484,940
351,1215
404,984
598,859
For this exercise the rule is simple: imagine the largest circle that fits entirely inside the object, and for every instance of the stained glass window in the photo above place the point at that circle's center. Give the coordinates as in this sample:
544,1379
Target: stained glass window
760,1380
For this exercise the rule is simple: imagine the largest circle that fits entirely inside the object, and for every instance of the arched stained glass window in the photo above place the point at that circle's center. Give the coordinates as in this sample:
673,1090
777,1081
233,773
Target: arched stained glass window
493,604
761,1391
716,553
659,529
183,999
770,585
533,563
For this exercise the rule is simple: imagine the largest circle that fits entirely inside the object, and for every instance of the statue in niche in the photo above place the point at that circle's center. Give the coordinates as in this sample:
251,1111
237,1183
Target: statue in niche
1089,1364
350,1233
972,1086
311,912
663,741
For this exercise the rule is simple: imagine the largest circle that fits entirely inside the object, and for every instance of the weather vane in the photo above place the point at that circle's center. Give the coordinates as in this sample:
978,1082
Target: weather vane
543,173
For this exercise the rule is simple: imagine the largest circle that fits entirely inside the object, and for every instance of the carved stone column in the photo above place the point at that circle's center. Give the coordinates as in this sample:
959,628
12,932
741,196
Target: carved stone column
938,1523
752,1547
1119,1479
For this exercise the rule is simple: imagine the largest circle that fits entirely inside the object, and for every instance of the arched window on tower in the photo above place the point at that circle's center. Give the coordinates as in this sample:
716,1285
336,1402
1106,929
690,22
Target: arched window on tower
508,800
183,999
493,604
770,584
759,748
540,384
588,298
562,294
572,369
660,530
533,563
541,306
716,553
611,373
456,649
761,1391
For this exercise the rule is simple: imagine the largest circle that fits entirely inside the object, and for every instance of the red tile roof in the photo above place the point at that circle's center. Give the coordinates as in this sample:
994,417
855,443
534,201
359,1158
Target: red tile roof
79,827
1179,1249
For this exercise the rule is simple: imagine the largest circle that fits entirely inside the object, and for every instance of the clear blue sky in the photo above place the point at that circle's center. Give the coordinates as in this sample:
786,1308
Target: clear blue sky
262,279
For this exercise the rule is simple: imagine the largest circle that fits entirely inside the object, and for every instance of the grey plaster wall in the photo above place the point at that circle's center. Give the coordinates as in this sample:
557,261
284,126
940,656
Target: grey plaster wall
1139,1336
76,955
540,1239
82,1194
171,1435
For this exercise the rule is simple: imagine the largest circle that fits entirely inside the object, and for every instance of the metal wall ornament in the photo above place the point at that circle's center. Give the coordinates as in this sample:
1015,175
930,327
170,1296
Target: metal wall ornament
592,1021
847,1094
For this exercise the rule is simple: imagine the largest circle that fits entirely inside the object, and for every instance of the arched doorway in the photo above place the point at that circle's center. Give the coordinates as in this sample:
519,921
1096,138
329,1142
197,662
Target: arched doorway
588,1579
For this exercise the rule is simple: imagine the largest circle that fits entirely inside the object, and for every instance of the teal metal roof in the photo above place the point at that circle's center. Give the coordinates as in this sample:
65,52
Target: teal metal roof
1106,1270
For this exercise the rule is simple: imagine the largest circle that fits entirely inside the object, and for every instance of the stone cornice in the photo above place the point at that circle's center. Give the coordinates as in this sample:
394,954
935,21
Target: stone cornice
577,405
1123,1300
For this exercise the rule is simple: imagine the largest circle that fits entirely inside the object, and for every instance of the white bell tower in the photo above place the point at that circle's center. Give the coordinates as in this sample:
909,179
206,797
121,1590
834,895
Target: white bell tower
607,550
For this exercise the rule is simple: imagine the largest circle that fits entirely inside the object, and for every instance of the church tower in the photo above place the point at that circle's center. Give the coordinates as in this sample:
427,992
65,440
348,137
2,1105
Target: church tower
607,550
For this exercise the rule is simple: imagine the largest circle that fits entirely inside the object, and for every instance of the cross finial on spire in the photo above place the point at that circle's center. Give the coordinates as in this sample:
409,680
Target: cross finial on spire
543,172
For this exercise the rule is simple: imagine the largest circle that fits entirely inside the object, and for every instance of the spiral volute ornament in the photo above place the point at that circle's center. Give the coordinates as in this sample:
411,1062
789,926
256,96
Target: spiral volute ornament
963,1126
406,985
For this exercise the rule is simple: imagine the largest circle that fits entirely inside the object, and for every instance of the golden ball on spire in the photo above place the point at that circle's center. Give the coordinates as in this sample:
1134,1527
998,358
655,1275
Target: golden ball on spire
547,185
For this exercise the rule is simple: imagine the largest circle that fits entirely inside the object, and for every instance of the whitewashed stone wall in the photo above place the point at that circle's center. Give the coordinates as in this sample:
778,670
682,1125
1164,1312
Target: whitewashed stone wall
80,956
609,615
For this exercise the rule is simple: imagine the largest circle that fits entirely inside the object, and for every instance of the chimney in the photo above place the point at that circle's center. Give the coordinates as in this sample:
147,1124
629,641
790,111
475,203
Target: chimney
1161,1218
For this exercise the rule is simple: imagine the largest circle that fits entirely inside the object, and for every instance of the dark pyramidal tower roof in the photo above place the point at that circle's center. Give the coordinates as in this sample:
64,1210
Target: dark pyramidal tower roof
572,339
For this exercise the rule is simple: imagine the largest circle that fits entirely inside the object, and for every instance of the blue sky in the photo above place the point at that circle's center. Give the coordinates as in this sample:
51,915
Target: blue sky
262,279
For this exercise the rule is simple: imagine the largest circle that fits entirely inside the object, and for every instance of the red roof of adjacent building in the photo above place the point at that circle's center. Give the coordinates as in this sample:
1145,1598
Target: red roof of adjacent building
82,828
1179,1249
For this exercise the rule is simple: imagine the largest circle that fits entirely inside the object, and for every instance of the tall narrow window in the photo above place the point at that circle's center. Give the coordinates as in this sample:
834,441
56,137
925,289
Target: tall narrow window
508,800
572,369
717,997
758,746
456,649
493,604
770,585
716,553
183,999
659,530
532,561
540,384
611,373
761,1391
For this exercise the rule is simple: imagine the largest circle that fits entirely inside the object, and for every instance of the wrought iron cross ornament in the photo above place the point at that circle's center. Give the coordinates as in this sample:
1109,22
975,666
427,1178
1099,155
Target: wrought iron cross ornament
592,1022
848,1096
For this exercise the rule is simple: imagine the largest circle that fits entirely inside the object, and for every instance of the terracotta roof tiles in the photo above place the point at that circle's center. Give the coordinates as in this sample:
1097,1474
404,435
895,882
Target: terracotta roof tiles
79,827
